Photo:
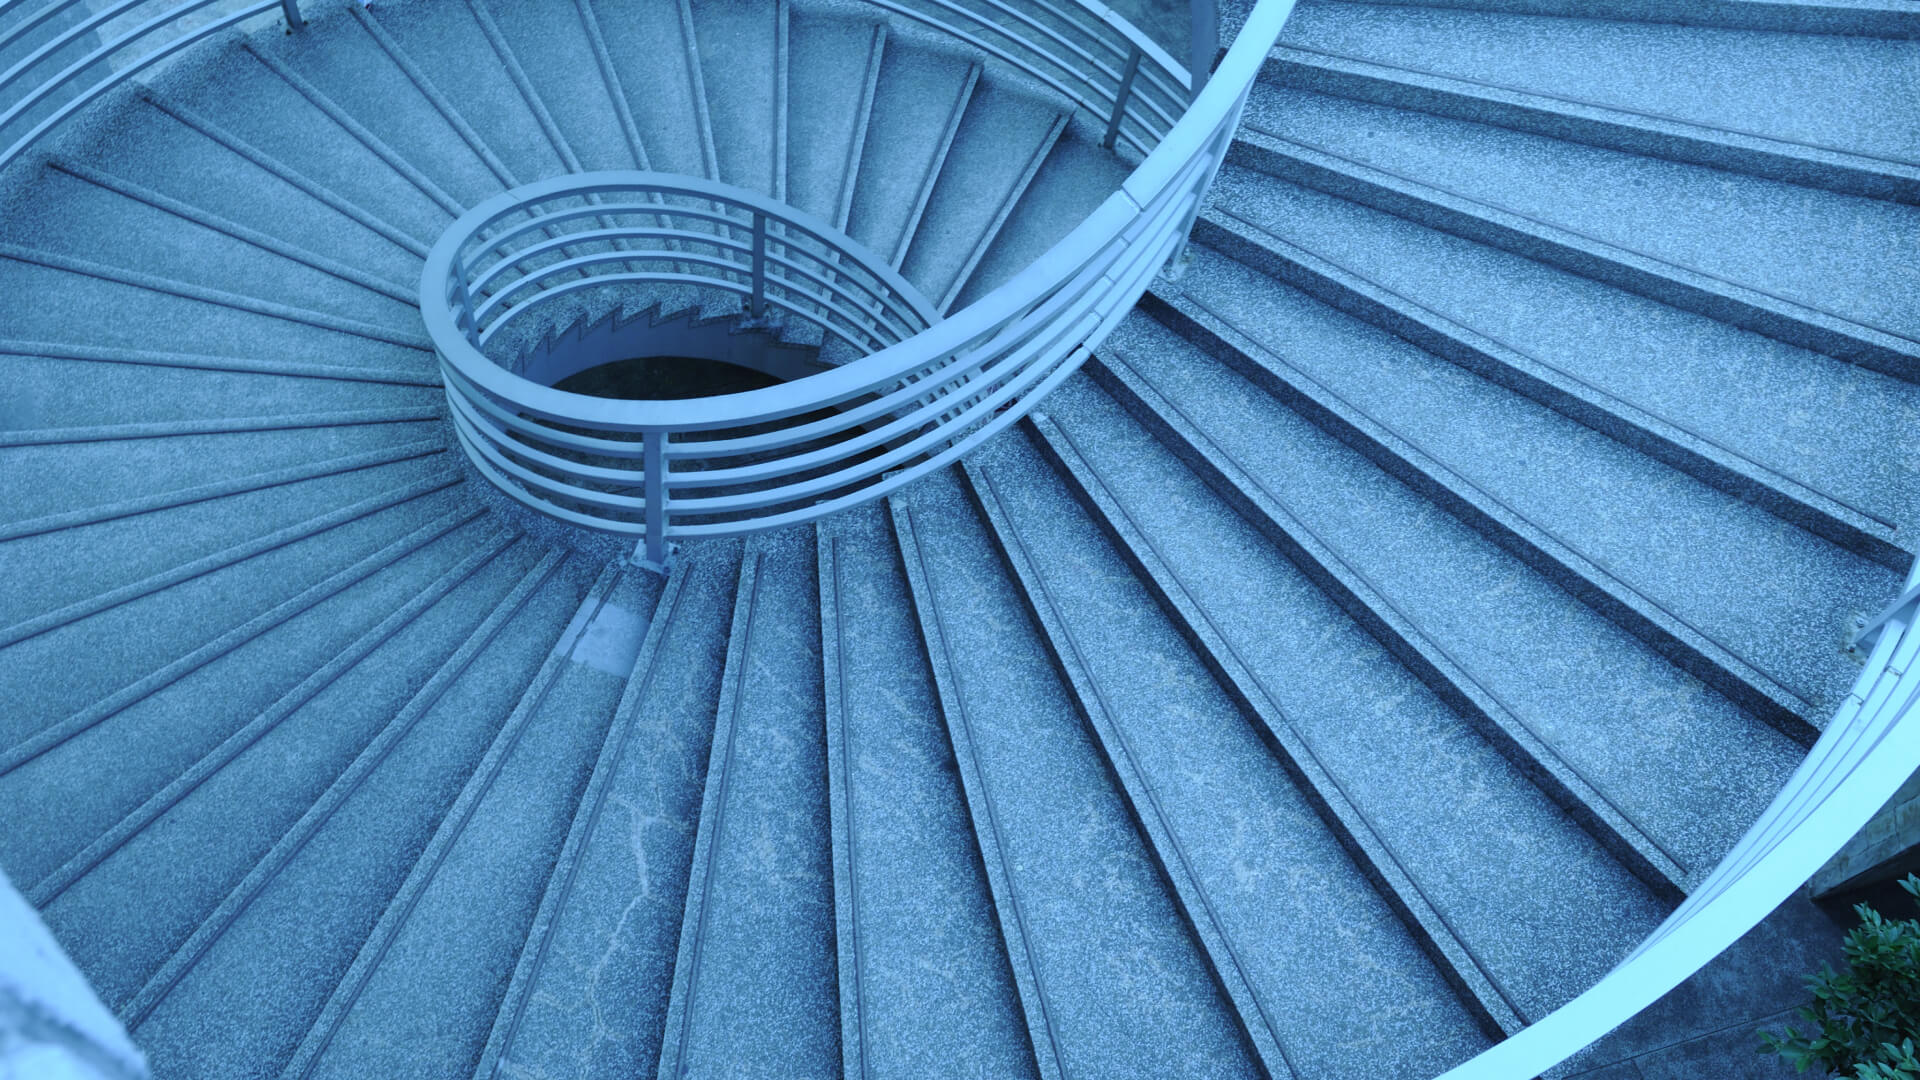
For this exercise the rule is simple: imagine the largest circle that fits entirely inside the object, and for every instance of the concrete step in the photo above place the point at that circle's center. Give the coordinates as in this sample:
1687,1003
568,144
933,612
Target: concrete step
1601,519
909,892
1869,18
754,982
919,99
476,82
355,69
91,214
1485,864
1003,139
1225,820
832,77
742,51
55,386
1516,654
266,960
1824,110
647,41
193,838
374,217
562,55
50,474
421,996
1806,266
151,632
155,312
1730,407
70,559
589,996
1076,888
1073,181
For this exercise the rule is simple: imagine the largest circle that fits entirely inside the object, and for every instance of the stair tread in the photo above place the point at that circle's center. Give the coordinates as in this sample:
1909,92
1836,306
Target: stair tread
1430,785
1225,814
913,107
645,39
267,961
423,992
1640,520
1696,770
1834,254
202,844
1853,94
909,890
597,1001
1757,396
129,640
753,986
1077,890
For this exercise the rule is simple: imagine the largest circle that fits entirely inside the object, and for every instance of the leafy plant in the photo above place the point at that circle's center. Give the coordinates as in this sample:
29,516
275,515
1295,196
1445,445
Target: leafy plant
1866,1020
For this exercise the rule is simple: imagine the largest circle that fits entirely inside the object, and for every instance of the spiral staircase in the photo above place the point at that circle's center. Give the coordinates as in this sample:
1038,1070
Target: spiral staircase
1401,614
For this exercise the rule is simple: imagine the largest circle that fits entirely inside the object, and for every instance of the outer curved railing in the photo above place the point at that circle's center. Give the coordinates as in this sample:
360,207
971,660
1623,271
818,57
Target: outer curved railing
984,367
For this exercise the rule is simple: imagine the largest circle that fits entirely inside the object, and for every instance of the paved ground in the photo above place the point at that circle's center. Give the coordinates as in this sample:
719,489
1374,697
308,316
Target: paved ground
1707,1028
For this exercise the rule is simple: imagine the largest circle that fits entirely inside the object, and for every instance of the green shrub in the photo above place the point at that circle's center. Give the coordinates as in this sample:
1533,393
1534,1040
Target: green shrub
1866,1020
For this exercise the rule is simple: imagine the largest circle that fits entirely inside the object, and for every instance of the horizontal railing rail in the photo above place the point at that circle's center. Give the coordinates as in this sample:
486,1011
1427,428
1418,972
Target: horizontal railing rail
59,56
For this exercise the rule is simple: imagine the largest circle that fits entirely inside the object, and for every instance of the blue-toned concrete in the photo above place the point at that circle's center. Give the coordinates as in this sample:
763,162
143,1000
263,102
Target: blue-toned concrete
1407,606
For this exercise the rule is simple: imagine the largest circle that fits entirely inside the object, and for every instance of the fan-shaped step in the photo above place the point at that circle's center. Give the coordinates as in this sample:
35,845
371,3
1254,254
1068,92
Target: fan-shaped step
1812,268
753,985
1077,891
1602,519
1767,103
1733,408
1267,944
589,995
1512,651
195,837
266,959
1422,778
909,891
177,619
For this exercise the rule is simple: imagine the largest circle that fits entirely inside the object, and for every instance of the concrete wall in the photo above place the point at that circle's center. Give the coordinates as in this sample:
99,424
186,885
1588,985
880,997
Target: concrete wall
52,1027
1888,847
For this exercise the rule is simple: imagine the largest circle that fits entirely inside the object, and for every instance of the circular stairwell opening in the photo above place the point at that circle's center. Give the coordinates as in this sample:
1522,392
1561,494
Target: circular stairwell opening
665,378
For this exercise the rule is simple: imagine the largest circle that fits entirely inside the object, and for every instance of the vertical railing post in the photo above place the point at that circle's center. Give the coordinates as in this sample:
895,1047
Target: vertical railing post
1121,97
653,459
291,9
1204,43
759,264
